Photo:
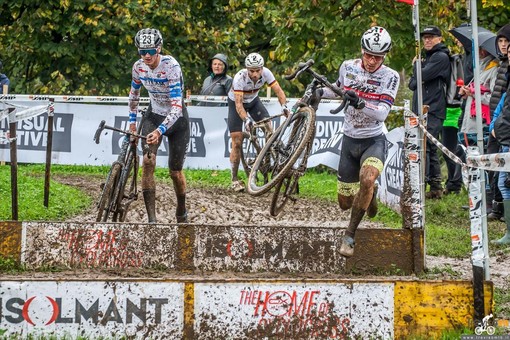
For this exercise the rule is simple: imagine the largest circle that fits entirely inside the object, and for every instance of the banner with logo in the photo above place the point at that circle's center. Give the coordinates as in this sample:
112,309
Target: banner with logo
76,121
92,309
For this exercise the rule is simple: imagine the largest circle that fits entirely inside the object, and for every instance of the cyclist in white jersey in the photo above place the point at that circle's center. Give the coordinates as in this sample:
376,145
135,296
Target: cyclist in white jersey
166,116
244,105
371,88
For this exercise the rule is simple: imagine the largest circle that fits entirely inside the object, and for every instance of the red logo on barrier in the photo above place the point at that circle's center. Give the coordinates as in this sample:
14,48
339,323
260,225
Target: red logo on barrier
27,318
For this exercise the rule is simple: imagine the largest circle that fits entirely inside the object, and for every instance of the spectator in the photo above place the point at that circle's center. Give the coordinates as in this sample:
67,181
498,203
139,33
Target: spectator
502,133
218,82
488,71
245,106
435,70
3,79
502,40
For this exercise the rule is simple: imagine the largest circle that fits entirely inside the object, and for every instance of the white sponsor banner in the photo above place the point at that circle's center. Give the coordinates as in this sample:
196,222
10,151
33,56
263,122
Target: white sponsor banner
92,309
292,311
209,147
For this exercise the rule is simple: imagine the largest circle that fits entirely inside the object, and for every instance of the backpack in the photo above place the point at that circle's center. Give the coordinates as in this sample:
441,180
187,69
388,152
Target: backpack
455,82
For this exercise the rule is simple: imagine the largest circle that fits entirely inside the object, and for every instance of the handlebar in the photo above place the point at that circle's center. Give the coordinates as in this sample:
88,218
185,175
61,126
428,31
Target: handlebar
306,66
301,68
103,126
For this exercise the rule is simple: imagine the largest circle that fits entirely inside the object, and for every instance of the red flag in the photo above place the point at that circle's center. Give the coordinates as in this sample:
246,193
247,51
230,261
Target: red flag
410,2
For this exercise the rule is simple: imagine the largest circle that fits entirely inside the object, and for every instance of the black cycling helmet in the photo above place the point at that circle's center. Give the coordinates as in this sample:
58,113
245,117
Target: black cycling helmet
147,38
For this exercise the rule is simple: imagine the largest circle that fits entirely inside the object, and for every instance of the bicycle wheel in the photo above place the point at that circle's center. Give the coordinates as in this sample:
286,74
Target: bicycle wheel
281,151
127,188
105,200
249,150
289,185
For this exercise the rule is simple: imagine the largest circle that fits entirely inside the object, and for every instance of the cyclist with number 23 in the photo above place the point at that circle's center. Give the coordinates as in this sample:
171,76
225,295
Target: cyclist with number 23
166,116
370,88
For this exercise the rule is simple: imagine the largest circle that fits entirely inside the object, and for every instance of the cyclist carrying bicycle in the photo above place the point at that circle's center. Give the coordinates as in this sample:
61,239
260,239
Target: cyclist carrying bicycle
166,116
370,88
245,106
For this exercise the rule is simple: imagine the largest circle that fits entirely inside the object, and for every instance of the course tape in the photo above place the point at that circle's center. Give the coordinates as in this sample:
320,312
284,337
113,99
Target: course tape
125,100
491,162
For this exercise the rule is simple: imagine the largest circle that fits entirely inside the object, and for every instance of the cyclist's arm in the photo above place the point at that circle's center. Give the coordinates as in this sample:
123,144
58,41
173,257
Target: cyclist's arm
238,96
175,88
380,110
134,97
279,93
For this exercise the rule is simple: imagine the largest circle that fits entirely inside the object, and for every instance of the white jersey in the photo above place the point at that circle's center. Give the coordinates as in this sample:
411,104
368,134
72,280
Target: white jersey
378,89
243,84
165,87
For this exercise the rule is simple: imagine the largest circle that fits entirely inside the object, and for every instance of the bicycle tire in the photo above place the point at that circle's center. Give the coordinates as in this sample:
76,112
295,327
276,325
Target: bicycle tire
249,151
282,150
129,174
289,184
105,200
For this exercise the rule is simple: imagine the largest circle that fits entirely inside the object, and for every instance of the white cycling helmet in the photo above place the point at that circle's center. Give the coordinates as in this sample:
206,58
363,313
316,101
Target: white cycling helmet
254,60
147,38
376,41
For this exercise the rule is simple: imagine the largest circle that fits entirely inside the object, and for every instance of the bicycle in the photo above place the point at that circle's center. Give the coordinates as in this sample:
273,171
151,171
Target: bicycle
253,141
120,188
288,149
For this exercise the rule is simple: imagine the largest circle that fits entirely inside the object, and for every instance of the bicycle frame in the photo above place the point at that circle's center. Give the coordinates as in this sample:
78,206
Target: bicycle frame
114,199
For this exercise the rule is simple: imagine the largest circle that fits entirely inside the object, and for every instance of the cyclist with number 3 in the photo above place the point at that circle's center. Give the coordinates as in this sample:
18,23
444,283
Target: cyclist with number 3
166,116
245,106
371,88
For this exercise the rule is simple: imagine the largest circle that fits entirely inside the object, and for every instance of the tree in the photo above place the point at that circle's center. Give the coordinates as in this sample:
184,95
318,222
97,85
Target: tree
86,47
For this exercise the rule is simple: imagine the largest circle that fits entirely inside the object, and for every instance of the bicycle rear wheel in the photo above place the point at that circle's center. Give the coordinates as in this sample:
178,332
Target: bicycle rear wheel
289,186
105,200
127,188
281,151
249,151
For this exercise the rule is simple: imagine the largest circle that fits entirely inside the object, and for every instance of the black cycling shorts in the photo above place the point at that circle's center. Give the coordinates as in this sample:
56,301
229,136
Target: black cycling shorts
355,151
178,137
255,109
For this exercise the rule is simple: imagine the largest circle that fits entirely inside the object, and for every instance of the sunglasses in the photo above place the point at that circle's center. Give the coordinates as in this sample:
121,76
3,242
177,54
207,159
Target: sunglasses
151,51
376,58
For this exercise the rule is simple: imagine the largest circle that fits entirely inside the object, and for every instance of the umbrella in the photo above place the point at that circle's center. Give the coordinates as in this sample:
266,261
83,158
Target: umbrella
486,39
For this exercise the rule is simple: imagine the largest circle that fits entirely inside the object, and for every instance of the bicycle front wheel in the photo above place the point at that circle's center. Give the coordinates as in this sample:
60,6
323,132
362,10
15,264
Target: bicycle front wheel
104,205
250,149
288,187
127,188
281,151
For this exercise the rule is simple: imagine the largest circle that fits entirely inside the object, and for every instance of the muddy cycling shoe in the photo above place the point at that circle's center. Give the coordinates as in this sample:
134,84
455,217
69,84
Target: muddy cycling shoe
237,186
347,246
183,218
372,207
434,194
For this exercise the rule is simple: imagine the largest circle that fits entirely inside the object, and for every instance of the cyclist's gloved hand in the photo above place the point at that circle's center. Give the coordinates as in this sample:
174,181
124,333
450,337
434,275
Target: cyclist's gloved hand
248,123
285,110
133,139
354,100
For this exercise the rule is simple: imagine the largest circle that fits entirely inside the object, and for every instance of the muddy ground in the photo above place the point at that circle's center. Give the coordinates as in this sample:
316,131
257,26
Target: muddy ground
222,206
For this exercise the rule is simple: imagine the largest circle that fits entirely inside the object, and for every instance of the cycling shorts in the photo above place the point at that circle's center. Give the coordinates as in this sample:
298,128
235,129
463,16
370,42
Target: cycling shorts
178,137
255,109
354,152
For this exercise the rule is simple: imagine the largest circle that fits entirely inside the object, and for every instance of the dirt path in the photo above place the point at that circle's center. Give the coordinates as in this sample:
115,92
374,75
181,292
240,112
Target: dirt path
222,206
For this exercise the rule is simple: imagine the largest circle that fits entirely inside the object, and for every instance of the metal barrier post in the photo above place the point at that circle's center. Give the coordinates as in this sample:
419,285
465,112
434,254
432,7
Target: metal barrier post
48,153
14,165
479,256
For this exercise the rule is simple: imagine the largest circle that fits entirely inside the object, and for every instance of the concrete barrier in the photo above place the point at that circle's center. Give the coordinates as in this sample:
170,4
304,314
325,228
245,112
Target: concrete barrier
215,283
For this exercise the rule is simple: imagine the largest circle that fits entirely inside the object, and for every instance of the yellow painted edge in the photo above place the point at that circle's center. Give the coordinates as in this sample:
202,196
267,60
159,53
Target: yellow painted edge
429,308
189,310
10,239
